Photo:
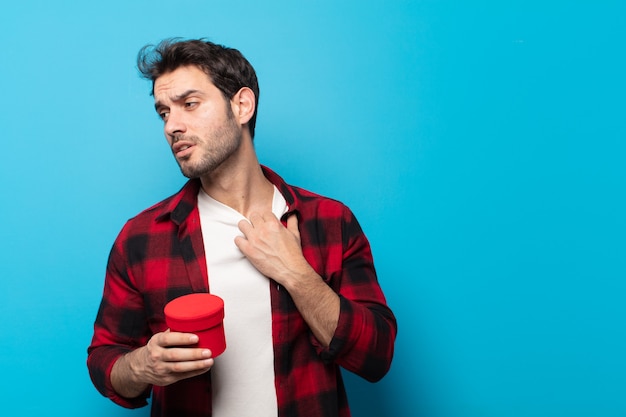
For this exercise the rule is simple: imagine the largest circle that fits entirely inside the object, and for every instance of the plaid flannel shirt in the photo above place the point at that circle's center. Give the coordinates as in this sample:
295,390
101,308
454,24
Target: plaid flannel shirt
159,255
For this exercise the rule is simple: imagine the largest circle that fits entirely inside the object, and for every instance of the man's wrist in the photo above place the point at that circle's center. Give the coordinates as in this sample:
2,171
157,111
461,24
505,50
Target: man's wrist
126,375
301,279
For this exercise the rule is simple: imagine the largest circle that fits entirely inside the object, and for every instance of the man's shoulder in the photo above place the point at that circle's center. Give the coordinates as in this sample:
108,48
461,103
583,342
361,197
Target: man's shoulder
313,203
306,201
306,195
183,202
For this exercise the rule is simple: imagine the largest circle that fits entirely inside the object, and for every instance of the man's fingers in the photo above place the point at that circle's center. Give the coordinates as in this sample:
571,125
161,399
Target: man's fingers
185,354
176,371
256,219
169,339
292,225
245,226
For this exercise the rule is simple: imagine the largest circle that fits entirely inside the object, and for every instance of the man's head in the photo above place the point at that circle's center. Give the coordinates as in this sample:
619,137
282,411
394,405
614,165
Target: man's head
227,68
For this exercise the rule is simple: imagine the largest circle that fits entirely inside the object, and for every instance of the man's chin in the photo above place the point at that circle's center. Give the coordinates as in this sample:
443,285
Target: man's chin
190,174
194,172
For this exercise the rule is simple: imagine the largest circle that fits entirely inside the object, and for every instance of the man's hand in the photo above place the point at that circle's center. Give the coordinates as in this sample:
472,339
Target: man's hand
272,248
167,358
276,252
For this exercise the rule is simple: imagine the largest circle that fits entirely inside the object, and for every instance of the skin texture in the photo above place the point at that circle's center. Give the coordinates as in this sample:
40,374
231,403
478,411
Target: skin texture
210,139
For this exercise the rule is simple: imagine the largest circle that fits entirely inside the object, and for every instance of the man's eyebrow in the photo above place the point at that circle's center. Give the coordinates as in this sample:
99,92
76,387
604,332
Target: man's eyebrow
179,97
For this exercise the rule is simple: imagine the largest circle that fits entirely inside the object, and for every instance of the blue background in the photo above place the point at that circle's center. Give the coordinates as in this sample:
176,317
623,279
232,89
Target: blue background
481,145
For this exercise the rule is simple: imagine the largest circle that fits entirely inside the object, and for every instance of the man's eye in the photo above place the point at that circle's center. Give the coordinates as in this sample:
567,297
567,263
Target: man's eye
163,115
191,104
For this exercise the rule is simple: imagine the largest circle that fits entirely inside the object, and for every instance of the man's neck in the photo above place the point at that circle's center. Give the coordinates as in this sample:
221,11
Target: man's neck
241,184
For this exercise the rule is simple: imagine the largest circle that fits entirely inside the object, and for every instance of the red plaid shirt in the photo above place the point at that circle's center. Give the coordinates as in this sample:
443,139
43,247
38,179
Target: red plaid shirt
159,255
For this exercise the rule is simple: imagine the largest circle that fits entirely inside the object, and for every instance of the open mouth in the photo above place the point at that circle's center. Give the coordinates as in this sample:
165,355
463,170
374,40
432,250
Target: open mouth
183,150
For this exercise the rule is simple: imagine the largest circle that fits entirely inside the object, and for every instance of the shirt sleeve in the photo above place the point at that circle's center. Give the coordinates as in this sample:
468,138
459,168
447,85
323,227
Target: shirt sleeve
120,327
364,340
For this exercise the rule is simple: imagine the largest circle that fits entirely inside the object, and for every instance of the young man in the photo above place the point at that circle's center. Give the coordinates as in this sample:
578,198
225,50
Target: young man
294,268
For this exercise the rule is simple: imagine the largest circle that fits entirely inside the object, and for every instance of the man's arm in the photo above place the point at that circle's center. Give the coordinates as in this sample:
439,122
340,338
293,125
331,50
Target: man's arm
124,358
276,252
352,320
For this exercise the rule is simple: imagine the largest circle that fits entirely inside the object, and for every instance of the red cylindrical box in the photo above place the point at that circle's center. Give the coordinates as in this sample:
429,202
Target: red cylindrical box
201,314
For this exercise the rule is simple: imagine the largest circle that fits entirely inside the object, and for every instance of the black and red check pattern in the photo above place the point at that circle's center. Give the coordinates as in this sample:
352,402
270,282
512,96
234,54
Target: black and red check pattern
159,255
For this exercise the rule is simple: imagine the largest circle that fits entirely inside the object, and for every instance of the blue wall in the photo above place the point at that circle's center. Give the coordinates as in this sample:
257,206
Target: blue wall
480,144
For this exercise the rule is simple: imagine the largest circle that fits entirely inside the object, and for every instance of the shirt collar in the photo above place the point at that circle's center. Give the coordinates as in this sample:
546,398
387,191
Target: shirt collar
180,205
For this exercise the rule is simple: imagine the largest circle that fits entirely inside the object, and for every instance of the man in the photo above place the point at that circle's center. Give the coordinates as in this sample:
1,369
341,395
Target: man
294,268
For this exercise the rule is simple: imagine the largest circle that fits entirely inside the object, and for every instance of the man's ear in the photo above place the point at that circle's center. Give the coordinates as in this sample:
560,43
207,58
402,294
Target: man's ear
243,104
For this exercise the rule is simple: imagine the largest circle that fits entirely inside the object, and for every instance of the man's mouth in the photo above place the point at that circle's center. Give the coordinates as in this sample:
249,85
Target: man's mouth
182,150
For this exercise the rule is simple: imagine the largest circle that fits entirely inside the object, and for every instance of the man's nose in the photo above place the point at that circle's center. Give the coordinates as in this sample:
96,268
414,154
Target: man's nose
174,124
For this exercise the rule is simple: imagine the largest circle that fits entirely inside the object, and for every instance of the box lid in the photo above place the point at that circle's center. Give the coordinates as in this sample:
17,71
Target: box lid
194,312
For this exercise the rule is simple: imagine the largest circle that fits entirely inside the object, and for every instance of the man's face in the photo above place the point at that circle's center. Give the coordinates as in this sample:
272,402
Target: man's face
200,126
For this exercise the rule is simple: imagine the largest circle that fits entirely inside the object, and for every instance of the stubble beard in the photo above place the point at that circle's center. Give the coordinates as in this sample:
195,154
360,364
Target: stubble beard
217,147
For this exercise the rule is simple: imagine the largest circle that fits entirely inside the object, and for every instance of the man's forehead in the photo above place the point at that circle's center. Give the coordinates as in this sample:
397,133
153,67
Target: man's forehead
181,81
183,73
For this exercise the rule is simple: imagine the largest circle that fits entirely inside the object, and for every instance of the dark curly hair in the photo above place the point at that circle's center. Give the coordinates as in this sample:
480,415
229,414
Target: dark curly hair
226,67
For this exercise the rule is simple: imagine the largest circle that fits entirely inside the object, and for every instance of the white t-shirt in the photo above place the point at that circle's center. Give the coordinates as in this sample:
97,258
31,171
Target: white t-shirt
243,376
